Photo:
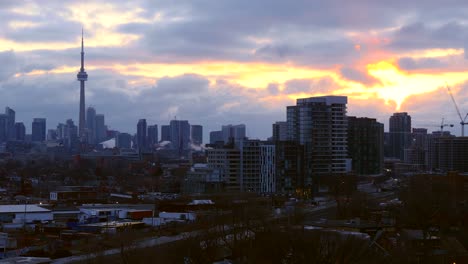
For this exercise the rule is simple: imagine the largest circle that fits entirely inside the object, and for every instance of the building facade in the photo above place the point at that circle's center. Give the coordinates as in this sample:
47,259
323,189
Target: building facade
196,134
400,134
320,125
366,145
38,129
280,131
141,135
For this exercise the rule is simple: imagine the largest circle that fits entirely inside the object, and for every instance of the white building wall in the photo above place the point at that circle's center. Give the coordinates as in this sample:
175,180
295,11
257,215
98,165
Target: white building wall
267,169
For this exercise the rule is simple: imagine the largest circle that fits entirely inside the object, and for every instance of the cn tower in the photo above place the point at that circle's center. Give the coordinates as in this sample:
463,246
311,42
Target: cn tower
82,77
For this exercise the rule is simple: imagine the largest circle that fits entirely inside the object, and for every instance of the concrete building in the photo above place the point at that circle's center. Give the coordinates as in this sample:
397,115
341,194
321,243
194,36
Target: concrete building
433,149
165,133
400,134
216,136
196,134
10,127
124,140
100,128
366,145
417,153
289,167
180,134
453,154
320,125
3,128
280,131
91,125
20,131
38,129
141,135
153,136
227,162
233,133
268,180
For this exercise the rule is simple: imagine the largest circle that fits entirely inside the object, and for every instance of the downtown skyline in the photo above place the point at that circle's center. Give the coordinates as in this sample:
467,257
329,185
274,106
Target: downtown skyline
168,60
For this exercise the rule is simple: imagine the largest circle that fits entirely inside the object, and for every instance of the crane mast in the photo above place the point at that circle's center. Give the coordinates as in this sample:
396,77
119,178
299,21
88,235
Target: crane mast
462,120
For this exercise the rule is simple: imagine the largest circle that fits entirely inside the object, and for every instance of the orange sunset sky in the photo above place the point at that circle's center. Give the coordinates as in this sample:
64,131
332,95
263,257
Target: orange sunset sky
221,62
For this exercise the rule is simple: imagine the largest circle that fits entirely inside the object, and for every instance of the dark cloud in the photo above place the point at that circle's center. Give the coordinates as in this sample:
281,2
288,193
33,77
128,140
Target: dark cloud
421,36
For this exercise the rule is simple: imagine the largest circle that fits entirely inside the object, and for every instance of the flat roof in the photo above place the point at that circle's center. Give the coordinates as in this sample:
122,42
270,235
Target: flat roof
21,208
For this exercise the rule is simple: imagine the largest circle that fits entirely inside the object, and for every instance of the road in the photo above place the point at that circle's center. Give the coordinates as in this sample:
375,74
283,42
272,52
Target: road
150,242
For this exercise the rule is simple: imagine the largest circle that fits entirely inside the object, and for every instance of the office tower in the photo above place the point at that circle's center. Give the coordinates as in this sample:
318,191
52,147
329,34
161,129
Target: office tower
320,125
124,140
51,134
20,131
100,128
197,134
60,131
366,145
400,134
38,129
3,128
180,134
280,131
216,136
10,127
141,135
82,77
233,133
165,133
71,138
91,125
153,136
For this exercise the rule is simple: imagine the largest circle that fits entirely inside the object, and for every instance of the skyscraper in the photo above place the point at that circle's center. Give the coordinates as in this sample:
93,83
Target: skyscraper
82,77
320,125
10,128
152,136
91,125
233,132
197,134
165,133
38,129
141,135
100,128
20,131
180,134
3,127
216,136
124,140
400,134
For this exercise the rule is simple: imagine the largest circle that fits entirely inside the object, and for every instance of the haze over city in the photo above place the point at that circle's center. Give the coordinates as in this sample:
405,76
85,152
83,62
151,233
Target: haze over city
214,62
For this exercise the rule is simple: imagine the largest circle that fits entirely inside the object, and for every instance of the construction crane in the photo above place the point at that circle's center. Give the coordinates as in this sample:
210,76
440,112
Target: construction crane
442,125
462,120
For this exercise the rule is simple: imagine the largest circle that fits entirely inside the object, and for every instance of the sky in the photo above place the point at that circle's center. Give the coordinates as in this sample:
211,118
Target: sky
229,62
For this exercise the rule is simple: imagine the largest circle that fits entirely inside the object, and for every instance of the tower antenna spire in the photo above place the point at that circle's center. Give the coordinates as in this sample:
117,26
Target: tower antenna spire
82,77
82,49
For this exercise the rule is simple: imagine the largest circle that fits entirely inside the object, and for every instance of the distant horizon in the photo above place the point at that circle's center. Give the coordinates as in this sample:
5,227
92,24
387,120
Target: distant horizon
215,63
